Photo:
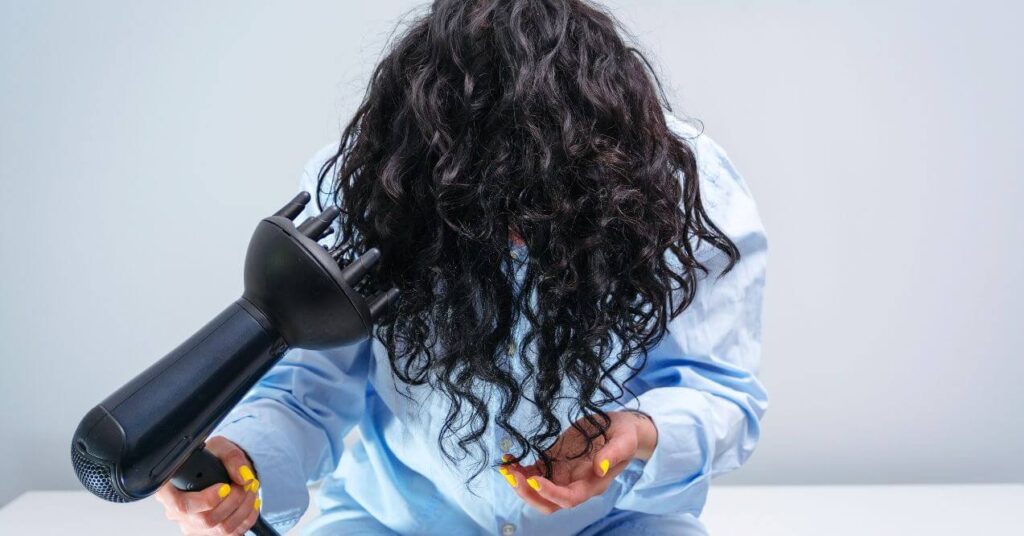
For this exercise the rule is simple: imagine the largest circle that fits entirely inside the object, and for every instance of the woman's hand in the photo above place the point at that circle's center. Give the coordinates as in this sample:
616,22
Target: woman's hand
573,481
221,509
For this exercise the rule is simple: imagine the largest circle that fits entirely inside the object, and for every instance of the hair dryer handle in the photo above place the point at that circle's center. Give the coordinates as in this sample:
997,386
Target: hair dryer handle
201,470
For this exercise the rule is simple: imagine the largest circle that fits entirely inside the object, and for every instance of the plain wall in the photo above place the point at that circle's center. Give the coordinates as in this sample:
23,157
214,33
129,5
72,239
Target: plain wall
141,141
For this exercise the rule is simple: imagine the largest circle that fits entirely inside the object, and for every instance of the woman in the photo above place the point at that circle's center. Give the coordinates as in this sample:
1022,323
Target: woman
579,323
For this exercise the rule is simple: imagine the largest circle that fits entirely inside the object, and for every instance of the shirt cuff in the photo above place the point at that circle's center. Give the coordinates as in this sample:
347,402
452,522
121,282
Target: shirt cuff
282,486
677,477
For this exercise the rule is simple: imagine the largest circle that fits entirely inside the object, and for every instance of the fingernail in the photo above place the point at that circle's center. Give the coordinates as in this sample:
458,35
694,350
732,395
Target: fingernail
246,473
604,467
256,504
223,490
533,483
503,471
253,486
512,480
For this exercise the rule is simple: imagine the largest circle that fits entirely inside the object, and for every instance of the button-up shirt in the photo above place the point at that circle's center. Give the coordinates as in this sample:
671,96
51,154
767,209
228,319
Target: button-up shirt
698,386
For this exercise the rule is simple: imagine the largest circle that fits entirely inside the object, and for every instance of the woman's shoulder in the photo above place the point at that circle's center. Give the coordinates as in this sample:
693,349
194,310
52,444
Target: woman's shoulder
712,160
724,191
718,174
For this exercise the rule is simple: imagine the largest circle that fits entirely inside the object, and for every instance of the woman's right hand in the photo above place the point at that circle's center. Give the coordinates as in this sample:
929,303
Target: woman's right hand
221,509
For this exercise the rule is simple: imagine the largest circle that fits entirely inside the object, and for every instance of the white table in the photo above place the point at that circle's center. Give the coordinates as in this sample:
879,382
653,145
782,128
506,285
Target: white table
961,510
989,510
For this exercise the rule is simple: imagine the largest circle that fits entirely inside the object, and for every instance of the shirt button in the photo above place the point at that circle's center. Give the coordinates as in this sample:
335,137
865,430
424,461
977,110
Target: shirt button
515,254
506,445
508,529
511,349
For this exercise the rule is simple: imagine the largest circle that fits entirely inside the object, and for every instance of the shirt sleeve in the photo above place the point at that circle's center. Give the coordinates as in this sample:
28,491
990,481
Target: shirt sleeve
292,424
699,383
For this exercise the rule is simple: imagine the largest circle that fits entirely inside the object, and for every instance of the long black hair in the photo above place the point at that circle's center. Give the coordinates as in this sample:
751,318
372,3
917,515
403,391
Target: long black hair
530,119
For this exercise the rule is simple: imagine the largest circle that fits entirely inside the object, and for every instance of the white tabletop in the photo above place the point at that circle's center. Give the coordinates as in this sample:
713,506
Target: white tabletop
991,510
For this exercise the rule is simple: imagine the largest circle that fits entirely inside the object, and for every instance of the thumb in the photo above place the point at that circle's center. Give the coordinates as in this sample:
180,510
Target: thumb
619,448
234,459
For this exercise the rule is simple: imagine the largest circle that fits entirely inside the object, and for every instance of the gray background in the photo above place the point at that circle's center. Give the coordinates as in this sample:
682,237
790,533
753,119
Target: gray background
141,141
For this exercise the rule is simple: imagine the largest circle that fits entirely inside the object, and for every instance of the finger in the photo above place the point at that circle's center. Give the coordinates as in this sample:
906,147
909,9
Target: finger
568,496
196,530
235,461
525,491
604,482
196,502
248,523
620,447
578,491
233,498
170,497
235,522
507,465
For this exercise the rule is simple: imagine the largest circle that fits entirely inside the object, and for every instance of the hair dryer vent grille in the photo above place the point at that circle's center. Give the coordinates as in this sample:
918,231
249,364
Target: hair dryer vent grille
95,477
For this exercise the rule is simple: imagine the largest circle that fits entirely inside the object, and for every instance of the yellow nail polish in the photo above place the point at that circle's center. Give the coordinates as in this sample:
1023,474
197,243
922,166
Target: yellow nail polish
246,473
223,490
604,467
256,504
533,483
512,480
503,471
253,486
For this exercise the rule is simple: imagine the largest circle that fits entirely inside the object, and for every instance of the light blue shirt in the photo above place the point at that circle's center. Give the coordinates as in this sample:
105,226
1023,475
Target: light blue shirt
699,386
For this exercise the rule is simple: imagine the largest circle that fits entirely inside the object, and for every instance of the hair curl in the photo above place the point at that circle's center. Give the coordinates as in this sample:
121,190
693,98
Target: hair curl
532,119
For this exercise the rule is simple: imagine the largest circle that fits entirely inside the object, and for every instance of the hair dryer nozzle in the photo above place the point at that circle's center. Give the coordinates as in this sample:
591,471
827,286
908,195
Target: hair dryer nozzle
355,271
301,288
294,207
314,227
381,302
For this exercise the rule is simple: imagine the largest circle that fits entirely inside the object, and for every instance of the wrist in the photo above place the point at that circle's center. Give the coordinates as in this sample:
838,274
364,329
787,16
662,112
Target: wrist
646,435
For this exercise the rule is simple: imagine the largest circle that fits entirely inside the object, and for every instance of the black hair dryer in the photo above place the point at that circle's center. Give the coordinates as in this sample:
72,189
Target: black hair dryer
154,428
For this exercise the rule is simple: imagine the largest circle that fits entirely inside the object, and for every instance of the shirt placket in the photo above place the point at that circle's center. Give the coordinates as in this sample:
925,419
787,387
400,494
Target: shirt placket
506,516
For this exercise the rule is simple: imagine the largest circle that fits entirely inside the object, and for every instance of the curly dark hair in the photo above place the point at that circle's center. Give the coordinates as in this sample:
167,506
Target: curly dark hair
490,122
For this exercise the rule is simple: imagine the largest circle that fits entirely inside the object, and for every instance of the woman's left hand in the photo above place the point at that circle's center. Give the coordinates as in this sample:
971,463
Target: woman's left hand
574,480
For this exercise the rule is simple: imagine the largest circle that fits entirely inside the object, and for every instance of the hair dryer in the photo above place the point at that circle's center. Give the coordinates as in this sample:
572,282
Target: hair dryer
154,428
